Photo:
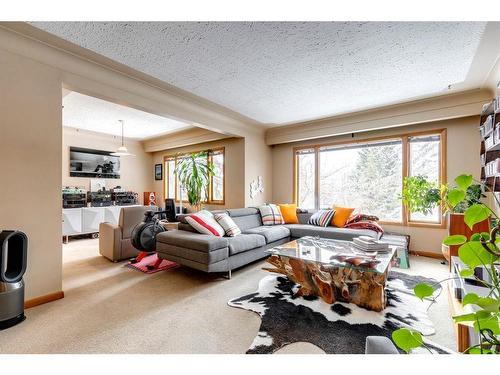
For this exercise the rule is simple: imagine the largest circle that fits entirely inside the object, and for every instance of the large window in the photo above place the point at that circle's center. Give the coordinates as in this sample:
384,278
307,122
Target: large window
216,187
306,160
425,160
368,175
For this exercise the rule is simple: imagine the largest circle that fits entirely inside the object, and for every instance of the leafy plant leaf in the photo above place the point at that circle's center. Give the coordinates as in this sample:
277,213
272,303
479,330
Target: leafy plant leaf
464,181
485,236
470,298
477,350
477,236
456,239
473,254
467,272
488,304
455,196
488,323
423,290
406,339
475,214
465,318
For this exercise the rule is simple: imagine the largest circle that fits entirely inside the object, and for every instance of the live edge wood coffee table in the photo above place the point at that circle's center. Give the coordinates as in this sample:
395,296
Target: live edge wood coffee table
334,271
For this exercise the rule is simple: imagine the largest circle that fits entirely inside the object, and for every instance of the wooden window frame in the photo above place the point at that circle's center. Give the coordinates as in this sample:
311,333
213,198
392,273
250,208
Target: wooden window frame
210,152
404,137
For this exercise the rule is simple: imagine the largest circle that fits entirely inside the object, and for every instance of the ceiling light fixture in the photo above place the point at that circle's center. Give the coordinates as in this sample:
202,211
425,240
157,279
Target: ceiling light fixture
122,150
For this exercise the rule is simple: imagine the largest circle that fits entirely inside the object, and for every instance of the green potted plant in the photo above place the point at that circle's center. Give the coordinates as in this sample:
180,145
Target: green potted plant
480,249
194,172
421,195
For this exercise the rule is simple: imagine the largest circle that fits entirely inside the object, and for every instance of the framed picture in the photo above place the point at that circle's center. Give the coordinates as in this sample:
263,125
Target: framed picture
158,172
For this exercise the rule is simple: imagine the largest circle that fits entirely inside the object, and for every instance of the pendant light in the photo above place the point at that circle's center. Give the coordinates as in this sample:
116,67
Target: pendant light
122,150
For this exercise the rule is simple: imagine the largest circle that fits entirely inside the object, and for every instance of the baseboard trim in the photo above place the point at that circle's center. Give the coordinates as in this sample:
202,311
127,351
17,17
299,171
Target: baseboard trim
428,254
43,299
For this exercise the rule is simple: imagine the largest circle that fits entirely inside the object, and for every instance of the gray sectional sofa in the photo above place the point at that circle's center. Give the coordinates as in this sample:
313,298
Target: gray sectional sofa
222,254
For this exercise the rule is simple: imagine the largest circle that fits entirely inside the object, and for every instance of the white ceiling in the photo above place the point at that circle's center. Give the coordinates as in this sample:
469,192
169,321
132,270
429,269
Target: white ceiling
89,113
283,72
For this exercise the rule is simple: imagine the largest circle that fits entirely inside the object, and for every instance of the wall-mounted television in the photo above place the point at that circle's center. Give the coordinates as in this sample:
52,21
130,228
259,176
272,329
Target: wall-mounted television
84,162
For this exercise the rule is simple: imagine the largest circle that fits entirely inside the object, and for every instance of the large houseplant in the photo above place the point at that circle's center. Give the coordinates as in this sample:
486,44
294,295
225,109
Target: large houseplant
481,249
422,196
194,172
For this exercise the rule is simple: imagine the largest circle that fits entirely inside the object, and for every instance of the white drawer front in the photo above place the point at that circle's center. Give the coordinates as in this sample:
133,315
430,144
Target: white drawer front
72,221
91,218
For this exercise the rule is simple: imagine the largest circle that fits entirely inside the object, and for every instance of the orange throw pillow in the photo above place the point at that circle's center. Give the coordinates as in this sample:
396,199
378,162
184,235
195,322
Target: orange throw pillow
341,215
289,213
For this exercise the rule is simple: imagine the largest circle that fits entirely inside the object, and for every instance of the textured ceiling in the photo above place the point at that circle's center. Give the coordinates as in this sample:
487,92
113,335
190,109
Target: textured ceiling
287,72
89,113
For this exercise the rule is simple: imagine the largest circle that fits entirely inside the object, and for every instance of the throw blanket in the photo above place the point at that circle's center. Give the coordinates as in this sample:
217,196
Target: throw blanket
366,225
361,217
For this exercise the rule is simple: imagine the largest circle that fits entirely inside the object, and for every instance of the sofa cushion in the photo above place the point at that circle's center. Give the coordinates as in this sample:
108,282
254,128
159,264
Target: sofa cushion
244,242
271,233
237,212
190,240
304,217
186,226
245,218
204,257
345,234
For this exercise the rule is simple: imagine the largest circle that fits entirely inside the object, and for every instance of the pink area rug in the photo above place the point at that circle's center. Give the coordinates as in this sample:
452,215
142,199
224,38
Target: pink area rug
150,260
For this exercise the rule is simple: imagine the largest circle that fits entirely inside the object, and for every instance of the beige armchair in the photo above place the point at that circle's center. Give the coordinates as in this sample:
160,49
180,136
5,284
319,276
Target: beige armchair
115,240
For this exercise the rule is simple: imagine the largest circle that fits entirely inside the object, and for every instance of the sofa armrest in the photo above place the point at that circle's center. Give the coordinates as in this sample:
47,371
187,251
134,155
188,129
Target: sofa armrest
380,345
190,240
110,241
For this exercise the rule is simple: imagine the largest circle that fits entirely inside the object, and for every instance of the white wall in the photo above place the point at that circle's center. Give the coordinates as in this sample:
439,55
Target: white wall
30,165
258,162
136,172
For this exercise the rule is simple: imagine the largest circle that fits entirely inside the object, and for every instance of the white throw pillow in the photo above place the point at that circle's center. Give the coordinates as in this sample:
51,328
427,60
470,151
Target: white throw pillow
228,224
271,215
204,222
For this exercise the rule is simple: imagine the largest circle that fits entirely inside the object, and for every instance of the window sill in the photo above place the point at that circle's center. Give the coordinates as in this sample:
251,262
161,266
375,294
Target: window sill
416,224
427,225
395,223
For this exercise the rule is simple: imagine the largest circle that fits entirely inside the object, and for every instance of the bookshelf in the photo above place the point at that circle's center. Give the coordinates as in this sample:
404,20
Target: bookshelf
489,129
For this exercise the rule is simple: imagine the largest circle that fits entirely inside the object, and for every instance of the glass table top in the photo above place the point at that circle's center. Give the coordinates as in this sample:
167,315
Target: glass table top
335,253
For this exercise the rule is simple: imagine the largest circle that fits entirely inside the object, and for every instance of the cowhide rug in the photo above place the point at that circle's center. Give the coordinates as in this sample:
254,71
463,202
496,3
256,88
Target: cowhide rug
339,328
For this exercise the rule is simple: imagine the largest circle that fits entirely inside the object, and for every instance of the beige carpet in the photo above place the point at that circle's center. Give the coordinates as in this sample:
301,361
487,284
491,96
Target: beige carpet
110,308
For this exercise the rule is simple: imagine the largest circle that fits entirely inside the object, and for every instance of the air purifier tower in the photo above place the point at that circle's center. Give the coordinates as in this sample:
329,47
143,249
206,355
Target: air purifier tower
13,259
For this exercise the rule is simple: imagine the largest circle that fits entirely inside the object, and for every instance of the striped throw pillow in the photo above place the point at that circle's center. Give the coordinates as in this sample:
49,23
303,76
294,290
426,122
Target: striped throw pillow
271,215
204,222
322,218
228,224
